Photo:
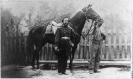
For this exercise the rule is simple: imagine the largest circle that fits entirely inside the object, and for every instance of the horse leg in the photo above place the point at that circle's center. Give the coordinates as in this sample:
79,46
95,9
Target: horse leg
33,59
72,57
36,56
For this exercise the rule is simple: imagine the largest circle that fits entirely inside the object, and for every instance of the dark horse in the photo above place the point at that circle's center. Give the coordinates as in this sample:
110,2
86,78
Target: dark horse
38,37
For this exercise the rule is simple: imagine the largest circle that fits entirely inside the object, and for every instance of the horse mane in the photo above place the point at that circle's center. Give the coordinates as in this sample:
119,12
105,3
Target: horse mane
77,21
76,17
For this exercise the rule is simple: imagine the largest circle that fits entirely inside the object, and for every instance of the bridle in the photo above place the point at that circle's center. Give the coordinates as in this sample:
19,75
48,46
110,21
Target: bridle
85,13
93,21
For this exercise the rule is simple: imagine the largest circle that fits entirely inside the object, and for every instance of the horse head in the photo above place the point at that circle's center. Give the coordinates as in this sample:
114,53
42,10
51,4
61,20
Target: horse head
91,14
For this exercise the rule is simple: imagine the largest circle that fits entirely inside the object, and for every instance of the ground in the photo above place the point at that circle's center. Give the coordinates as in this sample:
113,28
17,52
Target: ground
81,72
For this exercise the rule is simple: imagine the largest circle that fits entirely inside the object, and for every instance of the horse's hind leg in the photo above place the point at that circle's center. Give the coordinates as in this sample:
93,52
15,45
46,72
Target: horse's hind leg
36,56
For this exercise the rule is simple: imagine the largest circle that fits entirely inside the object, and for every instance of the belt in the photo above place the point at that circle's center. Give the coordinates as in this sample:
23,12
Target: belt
65,37
96,41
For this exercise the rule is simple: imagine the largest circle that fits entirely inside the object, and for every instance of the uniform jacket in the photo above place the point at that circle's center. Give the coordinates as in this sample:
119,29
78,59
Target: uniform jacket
64,45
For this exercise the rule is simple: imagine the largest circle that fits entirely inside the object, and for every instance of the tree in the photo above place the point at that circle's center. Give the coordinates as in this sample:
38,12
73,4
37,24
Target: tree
5,18
29,19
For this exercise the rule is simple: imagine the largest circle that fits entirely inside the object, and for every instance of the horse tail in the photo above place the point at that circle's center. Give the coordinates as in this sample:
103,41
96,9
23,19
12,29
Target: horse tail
30,46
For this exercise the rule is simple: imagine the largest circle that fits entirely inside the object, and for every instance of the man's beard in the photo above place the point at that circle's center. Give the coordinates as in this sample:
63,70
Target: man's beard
65,24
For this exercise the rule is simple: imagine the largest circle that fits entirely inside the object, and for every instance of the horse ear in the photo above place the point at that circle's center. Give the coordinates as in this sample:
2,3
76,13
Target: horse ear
89,6
84,9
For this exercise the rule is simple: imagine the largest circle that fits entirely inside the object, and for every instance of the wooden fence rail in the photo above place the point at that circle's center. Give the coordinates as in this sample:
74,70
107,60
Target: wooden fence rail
116,47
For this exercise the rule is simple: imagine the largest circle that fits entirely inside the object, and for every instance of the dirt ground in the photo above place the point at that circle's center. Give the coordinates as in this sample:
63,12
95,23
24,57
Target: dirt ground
81,72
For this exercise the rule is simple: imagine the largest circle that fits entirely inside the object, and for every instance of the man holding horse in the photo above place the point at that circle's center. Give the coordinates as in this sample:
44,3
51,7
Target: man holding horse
95,48
64,40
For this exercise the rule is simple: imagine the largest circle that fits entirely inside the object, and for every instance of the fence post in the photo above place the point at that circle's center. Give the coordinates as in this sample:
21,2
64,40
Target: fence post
3,47
131,51
17,45
25,51
6,52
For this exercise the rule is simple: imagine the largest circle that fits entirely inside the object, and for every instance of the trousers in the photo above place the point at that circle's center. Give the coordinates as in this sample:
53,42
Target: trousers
62,63
95,52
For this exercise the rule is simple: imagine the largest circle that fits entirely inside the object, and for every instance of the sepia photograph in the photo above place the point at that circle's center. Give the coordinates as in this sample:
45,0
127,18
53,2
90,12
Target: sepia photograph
67,39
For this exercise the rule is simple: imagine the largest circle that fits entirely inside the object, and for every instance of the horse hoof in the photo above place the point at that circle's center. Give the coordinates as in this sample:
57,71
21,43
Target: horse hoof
70,67
33,68
72,71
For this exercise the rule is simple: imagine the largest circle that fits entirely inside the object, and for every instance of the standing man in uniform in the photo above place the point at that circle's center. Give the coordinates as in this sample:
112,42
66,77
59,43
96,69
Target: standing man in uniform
64,40
95,48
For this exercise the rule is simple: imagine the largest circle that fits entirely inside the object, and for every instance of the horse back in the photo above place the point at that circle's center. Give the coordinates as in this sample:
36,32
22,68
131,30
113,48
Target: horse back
37,32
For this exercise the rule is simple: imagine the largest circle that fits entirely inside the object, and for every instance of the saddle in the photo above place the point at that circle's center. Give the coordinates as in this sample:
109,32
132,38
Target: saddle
52,27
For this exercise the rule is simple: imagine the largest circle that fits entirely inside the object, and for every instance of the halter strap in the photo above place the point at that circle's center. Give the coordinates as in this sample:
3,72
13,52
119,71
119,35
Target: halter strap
88,21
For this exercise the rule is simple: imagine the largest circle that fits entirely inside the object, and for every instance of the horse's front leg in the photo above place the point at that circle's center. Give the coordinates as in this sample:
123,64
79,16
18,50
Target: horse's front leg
72,57
70,64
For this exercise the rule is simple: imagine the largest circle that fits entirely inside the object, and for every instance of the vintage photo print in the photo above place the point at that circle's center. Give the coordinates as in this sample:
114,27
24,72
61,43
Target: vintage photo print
67,39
